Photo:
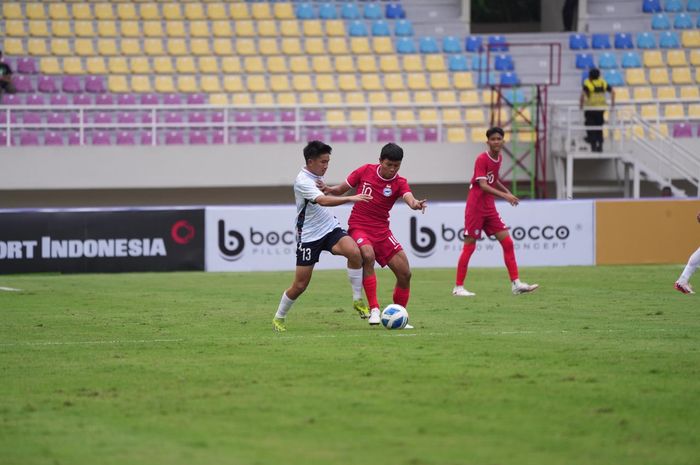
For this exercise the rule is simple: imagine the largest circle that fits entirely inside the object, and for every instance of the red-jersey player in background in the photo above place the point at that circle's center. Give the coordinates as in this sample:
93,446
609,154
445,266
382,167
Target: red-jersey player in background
481,215
369,223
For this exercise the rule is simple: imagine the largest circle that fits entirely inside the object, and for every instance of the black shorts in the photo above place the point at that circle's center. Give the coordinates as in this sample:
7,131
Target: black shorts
308,252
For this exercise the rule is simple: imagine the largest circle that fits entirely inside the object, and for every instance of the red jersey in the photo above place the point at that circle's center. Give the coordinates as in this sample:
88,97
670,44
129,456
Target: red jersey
375,213
484,168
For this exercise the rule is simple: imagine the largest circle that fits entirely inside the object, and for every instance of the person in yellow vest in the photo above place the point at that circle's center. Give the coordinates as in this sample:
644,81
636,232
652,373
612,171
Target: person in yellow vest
593,100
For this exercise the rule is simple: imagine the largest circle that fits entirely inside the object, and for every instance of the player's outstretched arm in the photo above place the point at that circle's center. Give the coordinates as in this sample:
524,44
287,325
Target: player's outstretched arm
333,201
339,189
504,194
415,204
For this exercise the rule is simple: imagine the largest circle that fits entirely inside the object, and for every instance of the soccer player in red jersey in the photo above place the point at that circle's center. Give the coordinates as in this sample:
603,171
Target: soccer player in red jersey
369,223
481,215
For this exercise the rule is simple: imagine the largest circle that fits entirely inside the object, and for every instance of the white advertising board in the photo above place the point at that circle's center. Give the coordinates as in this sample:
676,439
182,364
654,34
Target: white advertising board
545,233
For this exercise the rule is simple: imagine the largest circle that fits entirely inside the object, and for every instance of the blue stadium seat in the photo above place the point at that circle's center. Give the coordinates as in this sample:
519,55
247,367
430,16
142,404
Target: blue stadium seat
660,22
403,28
372,11
473,43
693,6
646,40
428,44
357,29
631,60
327,11
683,21
498,44
451,44
584,61
479,62
673,6
458,63
613,77
514,95
578,42
380,28
651,6
350,11
394,11
510,78
305,11
405,45
623,40
607,61
669,39
601,41
485,80
504,62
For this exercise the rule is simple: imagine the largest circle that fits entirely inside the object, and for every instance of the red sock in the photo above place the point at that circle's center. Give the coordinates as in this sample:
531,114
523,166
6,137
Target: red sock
463,263
370,285
401,296
509,258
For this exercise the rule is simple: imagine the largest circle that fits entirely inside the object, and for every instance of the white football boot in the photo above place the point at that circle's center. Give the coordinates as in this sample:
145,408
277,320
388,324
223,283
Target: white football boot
374,318
460,291
523,288
683,287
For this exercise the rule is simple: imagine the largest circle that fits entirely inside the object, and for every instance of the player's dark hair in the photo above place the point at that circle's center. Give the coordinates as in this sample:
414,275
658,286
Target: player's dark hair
593,74
315,149
495,130
391,152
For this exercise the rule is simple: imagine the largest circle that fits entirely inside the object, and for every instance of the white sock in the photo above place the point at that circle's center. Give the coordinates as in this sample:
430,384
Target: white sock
516,282
693,263
285,304
355,276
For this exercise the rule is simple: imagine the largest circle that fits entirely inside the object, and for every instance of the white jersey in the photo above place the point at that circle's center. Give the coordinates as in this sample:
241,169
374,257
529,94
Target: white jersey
313,220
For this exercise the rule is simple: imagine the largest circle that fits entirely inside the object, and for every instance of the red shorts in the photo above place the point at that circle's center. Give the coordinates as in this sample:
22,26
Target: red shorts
490,223
384,243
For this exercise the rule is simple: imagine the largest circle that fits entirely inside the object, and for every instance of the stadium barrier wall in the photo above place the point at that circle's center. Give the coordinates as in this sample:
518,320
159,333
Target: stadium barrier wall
646,231
72,241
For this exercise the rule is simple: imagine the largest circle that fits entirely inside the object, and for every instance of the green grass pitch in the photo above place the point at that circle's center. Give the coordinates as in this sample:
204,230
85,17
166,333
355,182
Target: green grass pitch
600,366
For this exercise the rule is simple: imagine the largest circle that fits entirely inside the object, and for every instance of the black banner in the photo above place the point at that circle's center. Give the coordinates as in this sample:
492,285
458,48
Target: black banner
101,241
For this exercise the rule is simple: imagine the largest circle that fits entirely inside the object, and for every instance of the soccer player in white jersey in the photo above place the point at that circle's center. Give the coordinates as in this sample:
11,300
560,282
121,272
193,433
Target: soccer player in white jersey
318,230
682,283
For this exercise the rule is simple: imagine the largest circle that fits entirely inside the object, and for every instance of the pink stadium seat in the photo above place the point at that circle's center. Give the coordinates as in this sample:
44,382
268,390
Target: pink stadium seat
243,117
430,135
23,84
682,130
288,116
174,137
386,135
173,117
126,138
95,84
126,99
31,117
58,99
149,99
198,137
196,99
172,99
53,138
47,84
265,117
360,135
104,99
3,138
56,117
102,117
82,99
71,84
26,65
146,138
35,99
196,117
101,138
245,136
409,135
314,134
218,117
11,99
339,135
74,138
218,137
268,136
29,138
126,117
289,135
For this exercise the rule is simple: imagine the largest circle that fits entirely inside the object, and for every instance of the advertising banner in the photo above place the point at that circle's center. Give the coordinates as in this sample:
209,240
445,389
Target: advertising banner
545,233
101,241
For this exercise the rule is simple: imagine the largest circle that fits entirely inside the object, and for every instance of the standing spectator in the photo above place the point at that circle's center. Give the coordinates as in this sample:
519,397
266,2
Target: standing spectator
567,14
6,86
593,103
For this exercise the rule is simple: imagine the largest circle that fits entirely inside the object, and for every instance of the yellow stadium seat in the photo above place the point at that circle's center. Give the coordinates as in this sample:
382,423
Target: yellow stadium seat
370,82
104,11
83,47
239,11
622,94
697,75
35,10
175,29
81,11
635,77
129,29
107,29
681,76
649,111
451,115
435,63
479,134
358,117
389,64
283,11
96,65
439,81
463,80
107,47
695,57
241,99
163,65
187,84
690,39
659,76
117,65
400,97
335,28
200,47
366,64
185,65
405,116
653,59
423,96
194,11
417,81
140,65
199,29
83,29
412,63
256,83
207,65
308,98
344,64
261,11
676,58
233,84
326,83
355,98
321,64
446,96
216,11
289,28
475,116
279,83
674,111
141,84
663,93
489,97
690,92
253,65
302,83
13,46
231,65
58,11
60,28
694,110
337,46
332,98
347,82
267,28
245,28
164,84
153,47
12,11
377,98
314,46
149,12
117,84
73,65
291,46
427,116
287,98
172,11
277,64
359,45
335,117
38,29
299,64
394,81
222,47
126,11
245,47
130,47
268,47
456,135
382,117
221,29
264,98
382,45
50,65
470,97
218,99
312,28
642,93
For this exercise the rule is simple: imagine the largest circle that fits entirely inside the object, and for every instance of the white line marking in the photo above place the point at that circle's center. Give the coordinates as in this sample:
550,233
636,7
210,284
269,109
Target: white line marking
10,289
74,343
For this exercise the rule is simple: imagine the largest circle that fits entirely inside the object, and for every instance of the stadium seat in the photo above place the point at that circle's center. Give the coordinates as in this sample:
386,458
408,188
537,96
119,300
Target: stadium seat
304,11
659,76
372,11
358,29
676,58
607,61
95,84
327,11
23,84
409,135
584,61
623,40
613,77
46,85
509,79
451,44
693,6
660,22
458,63
428,44
504,62
631,60
674,111
405,45
634,77
682,21
600,41
403,28
350,11
26,65
673,6
474,43
681,76
380,28
497,43
681,130
653,59
691,92
651,6
669,39
576,42
394,11
643,93
646,40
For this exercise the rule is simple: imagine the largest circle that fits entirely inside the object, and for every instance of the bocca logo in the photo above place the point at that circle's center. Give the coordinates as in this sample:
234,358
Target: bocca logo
423,245
182,232
232,243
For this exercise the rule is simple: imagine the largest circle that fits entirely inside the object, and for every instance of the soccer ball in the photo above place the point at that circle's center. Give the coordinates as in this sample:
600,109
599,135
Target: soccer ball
394,317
